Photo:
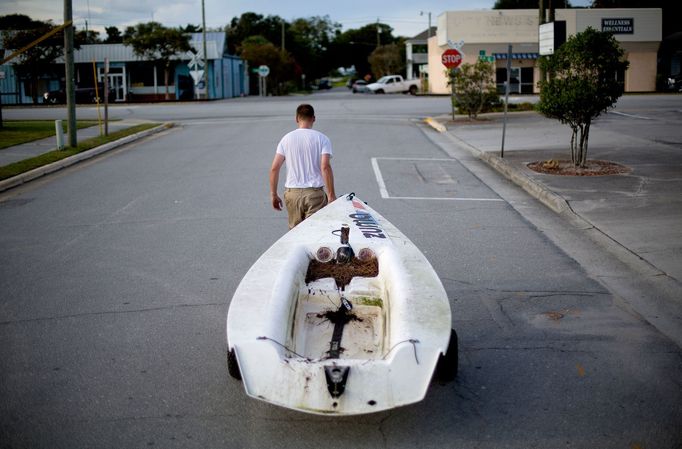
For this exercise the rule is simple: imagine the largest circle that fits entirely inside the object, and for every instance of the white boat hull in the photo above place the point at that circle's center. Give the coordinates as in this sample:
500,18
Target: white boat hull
280,333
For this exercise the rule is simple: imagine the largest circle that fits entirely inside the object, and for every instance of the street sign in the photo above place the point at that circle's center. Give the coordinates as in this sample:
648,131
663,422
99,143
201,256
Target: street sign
452,58
263,71
197,75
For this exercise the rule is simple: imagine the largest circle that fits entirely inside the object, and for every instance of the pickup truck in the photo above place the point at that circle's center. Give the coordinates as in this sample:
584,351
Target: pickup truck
394,83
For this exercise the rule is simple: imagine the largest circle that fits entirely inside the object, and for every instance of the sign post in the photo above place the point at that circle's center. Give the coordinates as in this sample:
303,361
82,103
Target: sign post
452,59
506,97
263,72
198,74
106,96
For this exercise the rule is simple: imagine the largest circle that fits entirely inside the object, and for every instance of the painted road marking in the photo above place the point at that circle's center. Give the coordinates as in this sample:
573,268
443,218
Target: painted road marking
384,191
631,115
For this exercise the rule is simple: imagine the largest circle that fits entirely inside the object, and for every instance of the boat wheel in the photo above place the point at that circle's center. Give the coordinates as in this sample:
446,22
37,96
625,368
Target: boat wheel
446,369
233,365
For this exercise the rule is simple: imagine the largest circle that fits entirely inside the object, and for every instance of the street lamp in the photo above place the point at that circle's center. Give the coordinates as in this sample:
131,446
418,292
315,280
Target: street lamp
421,13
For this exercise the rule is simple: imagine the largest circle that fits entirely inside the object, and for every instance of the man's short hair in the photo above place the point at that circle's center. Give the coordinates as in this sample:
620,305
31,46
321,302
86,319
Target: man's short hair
305,112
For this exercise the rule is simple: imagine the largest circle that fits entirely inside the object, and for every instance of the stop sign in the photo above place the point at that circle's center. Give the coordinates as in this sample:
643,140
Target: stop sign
452,58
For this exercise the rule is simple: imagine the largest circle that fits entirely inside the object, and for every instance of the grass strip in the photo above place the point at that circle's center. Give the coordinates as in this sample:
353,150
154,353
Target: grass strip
20,167
16,132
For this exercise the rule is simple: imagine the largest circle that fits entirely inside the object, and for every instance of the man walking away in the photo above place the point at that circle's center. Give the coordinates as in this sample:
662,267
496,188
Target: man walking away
307,154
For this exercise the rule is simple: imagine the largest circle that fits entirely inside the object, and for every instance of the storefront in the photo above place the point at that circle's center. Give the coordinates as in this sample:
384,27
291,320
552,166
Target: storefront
134,79
489,33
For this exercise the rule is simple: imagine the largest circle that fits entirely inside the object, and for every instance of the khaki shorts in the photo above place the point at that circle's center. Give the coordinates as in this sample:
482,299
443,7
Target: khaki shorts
302,203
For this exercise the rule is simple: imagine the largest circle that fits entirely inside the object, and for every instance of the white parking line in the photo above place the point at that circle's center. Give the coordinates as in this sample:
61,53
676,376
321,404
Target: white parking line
630,115
384,192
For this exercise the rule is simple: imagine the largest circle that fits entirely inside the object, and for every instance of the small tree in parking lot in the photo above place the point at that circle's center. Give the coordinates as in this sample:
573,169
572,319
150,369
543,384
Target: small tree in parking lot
583,83
474,88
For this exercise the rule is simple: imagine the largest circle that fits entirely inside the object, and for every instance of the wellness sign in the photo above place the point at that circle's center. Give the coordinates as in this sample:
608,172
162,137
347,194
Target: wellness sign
618,25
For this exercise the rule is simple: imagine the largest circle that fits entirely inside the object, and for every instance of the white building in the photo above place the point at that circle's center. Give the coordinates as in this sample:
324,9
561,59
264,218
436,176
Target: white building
490,32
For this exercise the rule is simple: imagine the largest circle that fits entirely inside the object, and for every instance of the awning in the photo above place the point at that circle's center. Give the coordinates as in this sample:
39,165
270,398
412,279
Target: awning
517,55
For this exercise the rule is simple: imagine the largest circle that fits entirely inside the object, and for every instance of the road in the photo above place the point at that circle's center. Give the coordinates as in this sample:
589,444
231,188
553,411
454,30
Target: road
117,275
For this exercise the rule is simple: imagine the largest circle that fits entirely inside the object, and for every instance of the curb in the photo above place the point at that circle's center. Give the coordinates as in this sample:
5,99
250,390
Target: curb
556,203
435,125
23,178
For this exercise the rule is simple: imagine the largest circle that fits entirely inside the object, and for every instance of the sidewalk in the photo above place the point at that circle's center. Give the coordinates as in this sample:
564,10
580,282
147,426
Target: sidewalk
38,147
636,217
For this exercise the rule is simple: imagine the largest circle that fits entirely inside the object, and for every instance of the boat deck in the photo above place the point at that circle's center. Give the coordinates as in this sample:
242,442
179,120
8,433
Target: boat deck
316,314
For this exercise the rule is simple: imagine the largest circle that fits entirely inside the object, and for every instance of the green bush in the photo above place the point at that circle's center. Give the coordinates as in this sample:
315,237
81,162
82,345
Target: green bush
474,88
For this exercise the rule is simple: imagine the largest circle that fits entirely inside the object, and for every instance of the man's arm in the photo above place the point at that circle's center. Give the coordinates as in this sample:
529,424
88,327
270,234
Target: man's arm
328,176
274,181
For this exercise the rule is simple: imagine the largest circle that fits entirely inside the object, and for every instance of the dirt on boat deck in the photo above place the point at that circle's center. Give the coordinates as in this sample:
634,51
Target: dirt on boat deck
342,273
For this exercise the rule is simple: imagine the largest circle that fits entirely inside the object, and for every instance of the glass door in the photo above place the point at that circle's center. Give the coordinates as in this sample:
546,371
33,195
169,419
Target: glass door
117,84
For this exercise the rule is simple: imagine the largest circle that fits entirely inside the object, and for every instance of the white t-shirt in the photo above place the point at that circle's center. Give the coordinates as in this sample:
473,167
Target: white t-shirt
302,149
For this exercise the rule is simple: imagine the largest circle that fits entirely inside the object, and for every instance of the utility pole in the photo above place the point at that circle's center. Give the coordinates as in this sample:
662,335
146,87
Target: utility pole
428,32
203,39
283,37
541,20
378,34
69,74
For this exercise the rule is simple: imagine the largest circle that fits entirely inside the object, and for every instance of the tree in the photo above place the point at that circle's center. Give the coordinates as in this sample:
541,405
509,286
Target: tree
191,28
474,87
309,42
259,51
153,41
251,24
386,60
87,37
38,60
19,22
353,47
113,35
583,84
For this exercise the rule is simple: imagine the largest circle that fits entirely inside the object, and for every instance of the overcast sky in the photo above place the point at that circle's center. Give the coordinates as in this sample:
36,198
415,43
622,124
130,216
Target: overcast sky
403,15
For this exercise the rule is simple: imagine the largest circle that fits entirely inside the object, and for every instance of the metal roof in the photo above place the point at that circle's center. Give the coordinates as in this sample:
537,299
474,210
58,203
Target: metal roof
215,49
422,37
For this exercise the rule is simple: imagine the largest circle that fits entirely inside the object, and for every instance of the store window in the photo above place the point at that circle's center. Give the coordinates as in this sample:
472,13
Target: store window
520,80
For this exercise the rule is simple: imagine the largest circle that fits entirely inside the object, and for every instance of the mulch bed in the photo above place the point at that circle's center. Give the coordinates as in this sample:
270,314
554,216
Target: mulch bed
566,168
342,273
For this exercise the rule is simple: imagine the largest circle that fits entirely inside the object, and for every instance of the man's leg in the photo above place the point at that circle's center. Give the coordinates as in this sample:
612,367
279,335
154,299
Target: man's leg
314,200
293,202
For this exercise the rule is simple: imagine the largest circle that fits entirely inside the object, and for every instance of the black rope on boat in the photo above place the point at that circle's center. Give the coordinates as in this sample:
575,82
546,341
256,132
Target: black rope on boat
414,346
288,349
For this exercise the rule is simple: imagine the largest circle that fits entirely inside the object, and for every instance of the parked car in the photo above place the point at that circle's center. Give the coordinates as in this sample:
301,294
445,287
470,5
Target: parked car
392,84
83,95
324,84
359,86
